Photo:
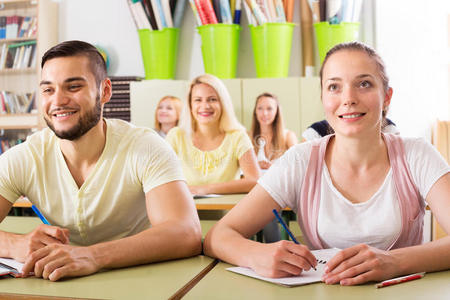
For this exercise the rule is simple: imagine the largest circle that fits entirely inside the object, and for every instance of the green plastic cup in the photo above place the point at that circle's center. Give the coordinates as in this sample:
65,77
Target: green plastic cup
272,48
220,44
159,52
329,35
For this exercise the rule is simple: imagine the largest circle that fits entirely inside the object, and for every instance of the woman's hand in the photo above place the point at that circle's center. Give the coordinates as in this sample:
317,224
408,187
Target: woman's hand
282,259
198,190
264,164
360,264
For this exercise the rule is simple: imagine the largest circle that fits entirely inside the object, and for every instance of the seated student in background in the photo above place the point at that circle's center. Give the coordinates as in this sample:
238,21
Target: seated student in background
269,137
100,183
359,190
270,140
322,128
167,114
210,142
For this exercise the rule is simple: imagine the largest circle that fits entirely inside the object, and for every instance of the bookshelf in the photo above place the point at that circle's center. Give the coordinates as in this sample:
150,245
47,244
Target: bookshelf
31,28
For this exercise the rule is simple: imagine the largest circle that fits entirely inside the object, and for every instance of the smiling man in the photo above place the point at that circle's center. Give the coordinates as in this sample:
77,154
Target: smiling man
99,182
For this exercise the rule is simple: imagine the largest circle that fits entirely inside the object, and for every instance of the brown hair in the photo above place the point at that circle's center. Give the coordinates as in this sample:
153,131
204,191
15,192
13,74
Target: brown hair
79,48
177,104
358,46
278,139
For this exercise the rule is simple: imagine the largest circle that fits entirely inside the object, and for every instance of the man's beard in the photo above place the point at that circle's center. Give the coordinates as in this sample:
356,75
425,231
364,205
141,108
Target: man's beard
86,122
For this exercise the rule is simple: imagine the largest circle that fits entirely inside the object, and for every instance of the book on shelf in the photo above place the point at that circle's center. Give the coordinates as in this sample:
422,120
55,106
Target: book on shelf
118,106
2,27
12,27
10,138
16,103
18,55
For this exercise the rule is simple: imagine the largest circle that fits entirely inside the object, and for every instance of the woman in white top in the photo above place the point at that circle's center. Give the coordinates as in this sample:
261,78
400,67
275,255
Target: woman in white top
270,140
167,114
269,136
357,202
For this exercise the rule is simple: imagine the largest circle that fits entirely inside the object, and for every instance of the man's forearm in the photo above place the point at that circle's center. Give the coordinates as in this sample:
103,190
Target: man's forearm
165,241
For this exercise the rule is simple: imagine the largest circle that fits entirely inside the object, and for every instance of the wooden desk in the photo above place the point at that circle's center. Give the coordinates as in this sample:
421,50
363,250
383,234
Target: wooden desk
222,284
155,281
22,202
224,202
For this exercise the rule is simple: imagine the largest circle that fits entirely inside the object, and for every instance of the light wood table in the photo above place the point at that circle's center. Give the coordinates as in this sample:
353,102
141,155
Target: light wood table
152,281
222,284
224,202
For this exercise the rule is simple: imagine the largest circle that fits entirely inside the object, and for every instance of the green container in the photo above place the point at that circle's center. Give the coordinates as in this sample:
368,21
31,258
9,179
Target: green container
159,52
329,35
220,44
272,48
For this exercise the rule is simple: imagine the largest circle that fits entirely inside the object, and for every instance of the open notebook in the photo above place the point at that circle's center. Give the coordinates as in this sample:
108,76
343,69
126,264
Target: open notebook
305,277
10,267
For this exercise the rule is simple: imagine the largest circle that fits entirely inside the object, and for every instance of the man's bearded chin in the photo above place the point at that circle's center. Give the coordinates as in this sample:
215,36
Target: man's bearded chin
87,121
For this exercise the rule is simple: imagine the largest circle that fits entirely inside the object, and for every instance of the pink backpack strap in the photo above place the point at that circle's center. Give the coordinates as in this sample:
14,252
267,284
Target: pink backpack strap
308,208
412,207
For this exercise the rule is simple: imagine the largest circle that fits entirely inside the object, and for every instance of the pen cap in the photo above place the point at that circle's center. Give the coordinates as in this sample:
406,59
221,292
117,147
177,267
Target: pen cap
220,44
329,35
272,48
159,52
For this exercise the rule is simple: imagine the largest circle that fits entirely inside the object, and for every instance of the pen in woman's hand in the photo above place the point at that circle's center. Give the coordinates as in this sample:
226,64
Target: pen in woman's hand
280,220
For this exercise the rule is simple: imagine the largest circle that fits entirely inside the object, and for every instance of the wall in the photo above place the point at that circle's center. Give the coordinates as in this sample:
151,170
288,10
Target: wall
417,54
412,42
111,27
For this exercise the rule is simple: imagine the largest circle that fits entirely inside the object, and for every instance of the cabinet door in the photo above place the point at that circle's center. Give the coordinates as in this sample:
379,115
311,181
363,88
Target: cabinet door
234,87
287,91
145,95
311,109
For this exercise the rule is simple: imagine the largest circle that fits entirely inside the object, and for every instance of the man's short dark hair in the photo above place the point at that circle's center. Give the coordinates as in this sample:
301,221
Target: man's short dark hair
79,48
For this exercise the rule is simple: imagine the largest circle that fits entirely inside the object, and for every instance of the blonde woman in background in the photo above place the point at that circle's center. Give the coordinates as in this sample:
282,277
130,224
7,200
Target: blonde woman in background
270,139
167,114
212,145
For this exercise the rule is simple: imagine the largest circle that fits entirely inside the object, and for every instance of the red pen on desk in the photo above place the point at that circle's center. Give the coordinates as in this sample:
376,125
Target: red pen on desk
399,280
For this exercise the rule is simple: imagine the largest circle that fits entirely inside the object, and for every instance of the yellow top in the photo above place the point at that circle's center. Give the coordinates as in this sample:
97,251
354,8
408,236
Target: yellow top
205,167
111,202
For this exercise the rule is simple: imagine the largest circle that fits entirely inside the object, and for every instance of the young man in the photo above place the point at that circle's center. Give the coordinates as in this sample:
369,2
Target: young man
100,183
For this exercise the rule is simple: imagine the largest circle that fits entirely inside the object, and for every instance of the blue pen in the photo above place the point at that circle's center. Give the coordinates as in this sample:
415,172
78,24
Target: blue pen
38,213
287,230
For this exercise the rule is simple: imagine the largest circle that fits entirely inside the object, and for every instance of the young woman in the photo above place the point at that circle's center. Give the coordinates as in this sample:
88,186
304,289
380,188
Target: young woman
269,137
167,114
358,190
211,144
270,140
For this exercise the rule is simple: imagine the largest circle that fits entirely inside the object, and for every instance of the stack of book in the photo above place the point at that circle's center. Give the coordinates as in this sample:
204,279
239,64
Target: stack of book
9,139
16,103
157,14
12,27
119,105
18,55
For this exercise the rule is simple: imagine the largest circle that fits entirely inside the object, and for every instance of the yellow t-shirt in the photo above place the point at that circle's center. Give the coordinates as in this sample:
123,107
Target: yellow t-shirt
205,167
111,202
